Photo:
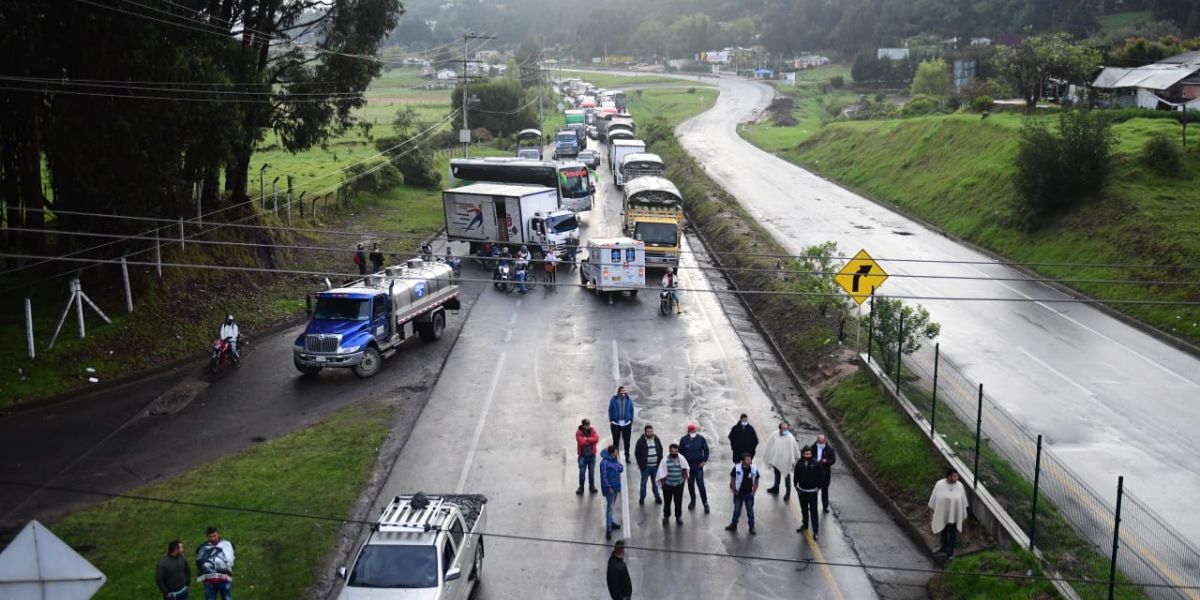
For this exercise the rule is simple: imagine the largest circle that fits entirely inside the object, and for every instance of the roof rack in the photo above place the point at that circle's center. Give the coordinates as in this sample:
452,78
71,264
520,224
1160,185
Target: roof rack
417,513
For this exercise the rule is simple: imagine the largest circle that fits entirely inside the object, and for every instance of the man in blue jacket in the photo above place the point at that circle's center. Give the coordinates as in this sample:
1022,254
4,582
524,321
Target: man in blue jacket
610,485
694,449
620,417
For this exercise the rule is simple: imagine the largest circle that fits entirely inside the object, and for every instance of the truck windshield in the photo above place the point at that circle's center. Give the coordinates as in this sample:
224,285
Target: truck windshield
562,224
567,138
657,234
395,566
343,309
575,182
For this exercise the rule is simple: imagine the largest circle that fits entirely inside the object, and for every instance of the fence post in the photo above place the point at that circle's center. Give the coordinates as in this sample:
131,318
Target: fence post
1037,476
300,203
158,254
29,326
1112,568
978,431
937,358
899,349
289,200
182,242
75,293
125,278
871,326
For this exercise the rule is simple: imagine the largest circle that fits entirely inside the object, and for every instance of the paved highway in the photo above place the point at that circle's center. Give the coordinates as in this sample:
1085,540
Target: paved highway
501,422
1110,399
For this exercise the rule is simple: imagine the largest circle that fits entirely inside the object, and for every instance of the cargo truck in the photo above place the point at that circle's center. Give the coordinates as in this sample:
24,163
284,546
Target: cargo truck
617,149
614,266
566,143
512,215
653,213
359,325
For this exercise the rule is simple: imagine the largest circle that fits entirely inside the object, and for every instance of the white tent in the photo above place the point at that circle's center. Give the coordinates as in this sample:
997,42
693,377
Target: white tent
39,566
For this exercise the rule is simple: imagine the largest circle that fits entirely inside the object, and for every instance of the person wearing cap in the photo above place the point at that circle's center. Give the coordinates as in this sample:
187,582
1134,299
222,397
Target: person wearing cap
360,259
376,258
694,448
743,439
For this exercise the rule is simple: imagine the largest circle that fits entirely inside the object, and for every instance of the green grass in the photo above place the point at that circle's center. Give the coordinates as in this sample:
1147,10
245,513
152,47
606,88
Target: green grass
317,471
675,103
812,97
966,587
956,172
1122,20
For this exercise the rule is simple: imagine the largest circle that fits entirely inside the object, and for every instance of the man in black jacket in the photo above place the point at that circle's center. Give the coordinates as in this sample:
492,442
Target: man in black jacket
825,457
648,452
807,477
743,439
620,587
173,574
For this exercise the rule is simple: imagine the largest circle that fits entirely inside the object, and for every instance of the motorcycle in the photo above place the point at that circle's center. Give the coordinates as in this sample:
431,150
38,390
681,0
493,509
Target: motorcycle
455,264
666,302
502,278
222,354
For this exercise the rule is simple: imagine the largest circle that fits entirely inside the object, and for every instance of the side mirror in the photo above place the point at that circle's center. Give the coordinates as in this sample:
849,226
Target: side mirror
453,574
341,572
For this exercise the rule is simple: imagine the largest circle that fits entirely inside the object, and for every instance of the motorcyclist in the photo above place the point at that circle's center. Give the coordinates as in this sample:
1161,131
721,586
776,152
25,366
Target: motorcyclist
426,251
454,263
229,333
523,258
670,282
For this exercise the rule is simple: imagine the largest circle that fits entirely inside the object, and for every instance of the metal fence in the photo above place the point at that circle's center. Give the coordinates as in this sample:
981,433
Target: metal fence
1068,520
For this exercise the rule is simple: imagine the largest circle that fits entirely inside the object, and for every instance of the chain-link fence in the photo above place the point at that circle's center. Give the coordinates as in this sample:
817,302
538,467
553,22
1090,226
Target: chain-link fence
1069,521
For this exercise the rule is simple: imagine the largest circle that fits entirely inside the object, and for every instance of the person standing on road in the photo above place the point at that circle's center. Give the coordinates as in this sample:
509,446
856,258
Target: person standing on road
620,587
620,416
173,573
376,259
586,440
672,472
551,271
572,250
743,439
648,451
807,476
214,563
360,259
824,455
782,453
694,448
949,504
610,485
743,482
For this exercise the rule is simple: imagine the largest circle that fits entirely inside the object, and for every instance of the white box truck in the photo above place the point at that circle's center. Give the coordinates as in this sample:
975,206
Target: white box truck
614,265
617,150
507,214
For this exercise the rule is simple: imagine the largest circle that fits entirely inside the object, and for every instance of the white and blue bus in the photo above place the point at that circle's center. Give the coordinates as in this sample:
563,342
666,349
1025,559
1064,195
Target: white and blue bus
570,178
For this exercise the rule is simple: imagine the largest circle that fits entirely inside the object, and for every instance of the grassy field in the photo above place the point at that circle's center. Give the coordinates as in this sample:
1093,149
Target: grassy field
963,587
676,104
1121,20
956,172
812,96
317,471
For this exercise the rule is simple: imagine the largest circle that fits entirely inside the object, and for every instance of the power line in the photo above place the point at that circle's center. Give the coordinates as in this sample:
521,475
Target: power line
599,545
784,293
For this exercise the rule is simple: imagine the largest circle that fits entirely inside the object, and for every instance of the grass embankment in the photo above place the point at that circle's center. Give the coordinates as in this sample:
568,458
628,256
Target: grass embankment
177,317
956,172
317,471
812,96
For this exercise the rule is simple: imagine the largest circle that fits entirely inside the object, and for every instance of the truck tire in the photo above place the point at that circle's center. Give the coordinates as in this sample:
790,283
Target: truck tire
433,330
305,369
479,564
371,361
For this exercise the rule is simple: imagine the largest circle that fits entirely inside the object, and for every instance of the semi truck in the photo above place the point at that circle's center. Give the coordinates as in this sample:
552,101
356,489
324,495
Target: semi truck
566,143
642,164
357,326
569,177
653,213
426,547
513,215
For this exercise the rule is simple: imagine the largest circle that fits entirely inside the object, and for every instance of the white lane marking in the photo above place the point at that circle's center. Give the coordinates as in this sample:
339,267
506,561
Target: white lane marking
616,365
626,523
1061,375
512,321
1145,358
487,404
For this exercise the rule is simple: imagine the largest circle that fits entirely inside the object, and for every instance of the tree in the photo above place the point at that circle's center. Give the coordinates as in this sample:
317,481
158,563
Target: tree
885,318
504,107
1029,64
933,79
1055,170
529,62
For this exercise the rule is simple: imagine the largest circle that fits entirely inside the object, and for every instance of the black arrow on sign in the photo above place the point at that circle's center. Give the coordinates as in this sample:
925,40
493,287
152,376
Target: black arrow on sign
862,271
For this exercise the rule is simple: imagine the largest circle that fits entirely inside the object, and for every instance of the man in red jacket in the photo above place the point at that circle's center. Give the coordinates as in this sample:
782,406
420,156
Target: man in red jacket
586,440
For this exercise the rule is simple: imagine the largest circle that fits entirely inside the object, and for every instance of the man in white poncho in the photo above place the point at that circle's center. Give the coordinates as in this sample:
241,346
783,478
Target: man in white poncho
949,504
782,453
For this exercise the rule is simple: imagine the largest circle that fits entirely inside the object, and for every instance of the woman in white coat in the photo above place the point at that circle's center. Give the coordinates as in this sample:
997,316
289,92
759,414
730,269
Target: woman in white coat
949,504
783,451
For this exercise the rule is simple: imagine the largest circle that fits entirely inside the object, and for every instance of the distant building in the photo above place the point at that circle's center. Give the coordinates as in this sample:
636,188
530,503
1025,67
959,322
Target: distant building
444,74
1167,84
810,61
891,53
713,57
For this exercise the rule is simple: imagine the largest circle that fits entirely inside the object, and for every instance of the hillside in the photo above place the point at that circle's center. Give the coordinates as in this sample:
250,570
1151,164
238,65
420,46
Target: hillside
956,171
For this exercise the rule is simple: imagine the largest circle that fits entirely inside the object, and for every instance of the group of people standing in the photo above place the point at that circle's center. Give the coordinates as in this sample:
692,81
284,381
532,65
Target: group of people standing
667,467
214,565
361,257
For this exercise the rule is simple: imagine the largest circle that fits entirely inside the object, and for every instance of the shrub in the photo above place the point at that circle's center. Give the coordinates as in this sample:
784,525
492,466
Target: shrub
838,82
1056,170
981,103
691,90
920,105
1163,155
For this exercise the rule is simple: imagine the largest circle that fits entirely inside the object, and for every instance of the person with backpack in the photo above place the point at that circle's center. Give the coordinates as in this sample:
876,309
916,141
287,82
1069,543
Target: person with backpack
360,259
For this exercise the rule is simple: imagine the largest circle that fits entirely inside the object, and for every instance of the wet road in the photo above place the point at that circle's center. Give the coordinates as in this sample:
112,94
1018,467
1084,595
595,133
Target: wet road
501,422
1110,399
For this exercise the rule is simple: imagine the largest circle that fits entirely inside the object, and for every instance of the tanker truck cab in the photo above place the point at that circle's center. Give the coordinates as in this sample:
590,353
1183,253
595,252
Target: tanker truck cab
359,325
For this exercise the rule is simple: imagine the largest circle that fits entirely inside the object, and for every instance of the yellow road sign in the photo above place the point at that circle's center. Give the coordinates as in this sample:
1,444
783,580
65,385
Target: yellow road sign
861,275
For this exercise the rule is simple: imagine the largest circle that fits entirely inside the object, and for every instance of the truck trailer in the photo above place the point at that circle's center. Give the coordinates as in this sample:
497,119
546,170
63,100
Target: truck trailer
514,215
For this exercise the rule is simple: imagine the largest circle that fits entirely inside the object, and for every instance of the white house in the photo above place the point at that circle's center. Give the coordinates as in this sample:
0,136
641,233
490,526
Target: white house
446,74
1168,83
891,53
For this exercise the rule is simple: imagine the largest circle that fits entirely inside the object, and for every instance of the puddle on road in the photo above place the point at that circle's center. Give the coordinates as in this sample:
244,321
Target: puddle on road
903,233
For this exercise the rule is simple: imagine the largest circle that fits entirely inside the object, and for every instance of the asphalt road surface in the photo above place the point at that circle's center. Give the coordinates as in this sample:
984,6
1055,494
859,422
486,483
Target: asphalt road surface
1110,399
501,422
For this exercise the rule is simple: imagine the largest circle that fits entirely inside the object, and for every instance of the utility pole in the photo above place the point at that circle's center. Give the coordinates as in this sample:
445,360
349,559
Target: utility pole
464,136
